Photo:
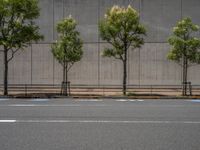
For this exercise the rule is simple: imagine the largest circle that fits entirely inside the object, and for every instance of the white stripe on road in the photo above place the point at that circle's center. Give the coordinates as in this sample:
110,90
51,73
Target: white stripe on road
51,105
4,99
127,100
140,100
99,121
92,100
37,105
132,100
39,100
122,100
7,121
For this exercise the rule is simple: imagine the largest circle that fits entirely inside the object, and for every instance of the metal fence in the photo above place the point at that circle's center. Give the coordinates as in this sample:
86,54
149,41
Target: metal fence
99,90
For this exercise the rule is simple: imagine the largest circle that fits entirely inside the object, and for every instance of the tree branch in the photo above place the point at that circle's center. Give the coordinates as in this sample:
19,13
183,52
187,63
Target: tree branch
117,57
13,53
70,66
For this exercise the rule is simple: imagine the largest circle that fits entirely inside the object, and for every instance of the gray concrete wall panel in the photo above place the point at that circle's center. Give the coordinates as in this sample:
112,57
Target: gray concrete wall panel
193,74
86,14
20,67
155,68
58,15
159,17
134,67
111,70
42,64
45,21
148,65
191,9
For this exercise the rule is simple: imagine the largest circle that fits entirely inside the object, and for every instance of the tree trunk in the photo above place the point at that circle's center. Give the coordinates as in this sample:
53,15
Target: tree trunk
64,72
5,71
125,72
183,77
185,71
64,82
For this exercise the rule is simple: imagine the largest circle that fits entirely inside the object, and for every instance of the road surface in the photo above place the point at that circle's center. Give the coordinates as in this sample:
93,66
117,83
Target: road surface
66,124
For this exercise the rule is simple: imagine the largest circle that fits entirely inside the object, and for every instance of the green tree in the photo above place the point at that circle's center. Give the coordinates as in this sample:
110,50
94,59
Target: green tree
17,29
185,47
122,29
68,49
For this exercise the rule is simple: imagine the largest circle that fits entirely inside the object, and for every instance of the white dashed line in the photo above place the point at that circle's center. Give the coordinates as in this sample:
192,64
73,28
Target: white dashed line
36,105
92,100
51,105
126,100
121,100
3,99
132,100
39,100
140,100
8,121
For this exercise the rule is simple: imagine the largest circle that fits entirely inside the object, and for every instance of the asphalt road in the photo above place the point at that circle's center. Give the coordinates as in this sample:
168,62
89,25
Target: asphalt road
50,124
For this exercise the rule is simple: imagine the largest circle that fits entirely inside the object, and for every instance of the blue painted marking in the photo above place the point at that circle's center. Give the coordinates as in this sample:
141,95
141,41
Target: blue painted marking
196,100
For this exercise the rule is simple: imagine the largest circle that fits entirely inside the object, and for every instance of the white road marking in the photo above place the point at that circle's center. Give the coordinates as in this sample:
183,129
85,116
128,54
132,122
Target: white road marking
50,105
127,100
122,100
92,100
7,121
140,100
132,100
39,100
100,121
37,105
3,99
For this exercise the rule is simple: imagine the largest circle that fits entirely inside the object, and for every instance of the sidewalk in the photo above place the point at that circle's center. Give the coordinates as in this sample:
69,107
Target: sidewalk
144,93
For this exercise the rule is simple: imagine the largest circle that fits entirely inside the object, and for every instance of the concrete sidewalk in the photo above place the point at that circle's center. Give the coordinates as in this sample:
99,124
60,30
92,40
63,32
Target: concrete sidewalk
145,93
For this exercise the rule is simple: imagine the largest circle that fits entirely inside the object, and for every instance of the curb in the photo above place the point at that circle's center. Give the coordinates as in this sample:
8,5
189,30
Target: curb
103,97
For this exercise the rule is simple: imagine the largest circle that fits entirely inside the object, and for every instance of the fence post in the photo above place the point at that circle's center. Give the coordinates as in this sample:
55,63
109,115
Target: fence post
25,89
190,88
69,86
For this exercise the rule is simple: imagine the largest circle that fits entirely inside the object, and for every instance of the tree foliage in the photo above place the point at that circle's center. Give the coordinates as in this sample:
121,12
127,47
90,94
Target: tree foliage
122,29
17,28
68,49
183,42
185,47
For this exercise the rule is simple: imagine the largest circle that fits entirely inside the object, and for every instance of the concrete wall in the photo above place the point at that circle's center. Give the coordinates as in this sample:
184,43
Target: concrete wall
146,66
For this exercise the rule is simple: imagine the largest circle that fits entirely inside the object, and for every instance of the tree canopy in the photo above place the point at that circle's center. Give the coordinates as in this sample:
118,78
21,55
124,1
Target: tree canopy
17,26
17,29
185,47
68,49
122,29
184,43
